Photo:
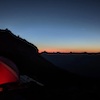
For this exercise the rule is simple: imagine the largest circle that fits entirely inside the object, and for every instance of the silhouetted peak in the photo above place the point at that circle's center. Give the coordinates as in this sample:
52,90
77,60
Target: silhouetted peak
10,42
5,31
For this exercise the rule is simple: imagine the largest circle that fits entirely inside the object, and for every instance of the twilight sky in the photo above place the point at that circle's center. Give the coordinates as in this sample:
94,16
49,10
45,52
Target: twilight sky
54,25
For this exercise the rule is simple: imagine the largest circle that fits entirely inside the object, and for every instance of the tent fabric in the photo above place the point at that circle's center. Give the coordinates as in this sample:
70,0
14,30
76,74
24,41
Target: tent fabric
8,71
10,63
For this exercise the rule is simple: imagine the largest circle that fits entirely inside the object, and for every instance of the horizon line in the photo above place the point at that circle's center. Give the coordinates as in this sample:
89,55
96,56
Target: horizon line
66,52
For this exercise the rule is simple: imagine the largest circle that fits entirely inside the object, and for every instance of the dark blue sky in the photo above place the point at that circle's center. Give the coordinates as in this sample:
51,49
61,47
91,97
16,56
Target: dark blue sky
54,25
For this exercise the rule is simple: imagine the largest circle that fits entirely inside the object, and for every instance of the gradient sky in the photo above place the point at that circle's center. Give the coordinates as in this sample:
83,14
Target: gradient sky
54,25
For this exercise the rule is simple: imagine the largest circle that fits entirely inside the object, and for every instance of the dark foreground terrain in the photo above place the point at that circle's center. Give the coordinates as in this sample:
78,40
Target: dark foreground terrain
57,82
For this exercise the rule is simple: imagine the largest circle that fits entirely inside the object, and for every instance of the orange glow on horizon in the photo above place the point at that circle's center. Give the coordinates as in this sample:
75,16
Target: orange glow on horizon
69,50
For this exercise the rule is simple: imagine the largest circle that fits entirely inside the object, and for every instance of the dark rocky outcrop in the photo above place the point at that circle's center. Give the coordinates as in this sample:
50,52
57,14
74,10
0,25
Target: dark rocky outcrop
12,43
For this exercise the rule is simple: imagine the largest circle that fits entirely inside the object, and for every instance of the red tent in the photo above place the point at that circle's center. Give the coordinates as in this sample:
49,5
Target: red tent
8,71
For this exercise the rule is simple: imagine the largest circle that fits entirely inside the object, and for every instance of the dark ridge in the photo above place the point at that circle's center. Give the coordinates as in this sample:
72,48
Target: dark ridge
7,34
